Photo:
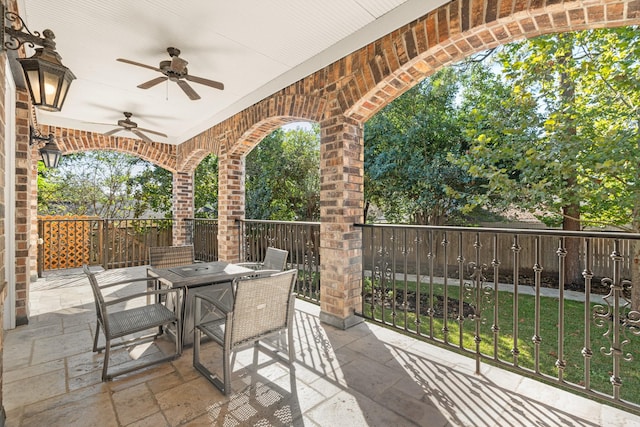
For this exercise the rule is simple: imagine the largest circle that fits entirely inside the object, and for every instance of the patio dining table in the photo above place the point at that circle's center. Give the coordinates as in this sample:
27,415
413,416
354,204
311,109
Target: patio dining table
210,277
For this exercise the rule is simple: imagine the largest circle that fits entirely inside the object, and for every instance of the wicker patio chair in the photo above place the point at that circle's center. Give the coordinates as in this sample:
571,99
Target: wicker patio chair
167,257
170,256
118,322
260,307
274,260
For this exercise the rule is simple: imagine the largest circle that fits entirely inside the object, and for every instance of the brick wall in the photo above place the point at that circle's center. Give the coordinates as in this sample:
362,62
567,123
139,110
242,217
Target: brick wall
22,221
231,173
182,205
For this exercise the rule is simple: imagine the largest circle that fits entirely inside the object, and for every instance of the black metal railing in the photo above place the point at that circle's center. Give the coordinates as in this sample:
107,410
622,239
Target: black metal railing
301,239
203,235
511,297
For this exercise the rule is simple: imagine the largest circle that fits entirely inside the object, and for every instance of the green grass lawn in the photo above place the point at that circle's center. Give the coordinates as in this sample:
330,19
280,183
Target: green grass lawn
573,339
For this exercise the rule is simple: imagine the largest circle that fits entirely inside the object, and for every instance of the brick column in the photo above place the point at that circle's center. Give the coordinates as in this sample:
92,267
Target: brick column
34,245
23,211
231,174
341,205
182,206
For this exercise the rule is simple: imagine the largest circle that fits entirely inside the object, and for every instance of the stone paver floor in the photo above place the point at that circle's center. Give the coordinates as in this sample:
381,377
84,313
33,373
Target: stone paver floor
365,376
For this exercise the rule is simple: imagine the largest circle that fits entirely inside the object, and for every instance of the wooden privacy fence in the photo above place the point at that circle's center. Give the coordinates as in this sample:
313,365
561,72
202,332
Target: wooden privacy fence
70,241
418,247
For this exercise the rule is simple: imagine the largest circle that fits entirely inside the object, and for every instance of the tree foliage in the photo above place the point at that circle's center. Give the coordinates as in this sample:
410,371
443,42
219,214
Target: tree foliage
283,176
94,183
408,174
205,195
153,193
561,127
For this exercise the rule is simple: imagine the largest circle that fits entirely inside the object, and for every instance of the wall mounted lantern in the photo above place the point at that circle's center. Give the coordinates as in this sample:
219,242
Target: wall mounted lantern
46,78
50,153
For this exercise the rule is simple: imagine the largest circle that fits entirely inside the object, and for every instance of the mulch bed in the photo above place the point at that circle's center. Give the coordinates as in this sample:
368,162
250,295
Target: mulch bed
453,304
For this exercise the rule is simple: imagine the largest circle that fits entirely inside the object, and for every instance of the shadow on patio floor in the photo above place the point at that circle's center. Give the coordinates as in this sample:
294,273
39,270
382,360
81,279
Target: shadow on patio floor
365,376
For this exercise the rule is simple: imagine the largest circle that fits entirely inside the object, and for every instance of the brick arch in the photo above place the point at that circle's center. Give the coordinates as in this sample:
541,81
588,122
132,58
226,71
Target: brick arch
393,64
261,130
190,153
241,132
73,141
190,162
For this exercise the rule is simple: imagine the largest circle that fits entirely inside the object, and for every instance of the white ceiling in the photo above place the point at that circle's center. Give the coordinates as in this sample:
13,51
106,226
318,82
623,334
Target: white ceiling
255,47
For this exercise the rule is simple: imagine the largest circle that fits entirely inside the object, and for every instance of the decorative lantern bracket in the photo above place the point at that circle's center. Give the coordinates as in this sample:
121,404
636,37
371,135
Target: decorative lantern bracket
20,35
35,136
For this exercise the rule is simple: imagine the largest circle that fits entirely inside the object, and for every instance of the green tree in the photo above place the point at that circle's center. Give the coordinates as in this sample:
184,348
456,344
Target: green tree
96,183
570,147
206,188
407,172
153,191
283,176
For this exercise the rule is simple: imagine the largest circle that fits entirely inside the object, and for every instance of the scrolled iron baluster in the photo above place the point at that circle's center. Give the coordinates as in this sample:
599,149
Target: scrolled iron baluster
587,352
561,364
375,284
477,292
445,297
460,316
515,248
630,324
394,291
495,327
430,310
537,339
619,319
418,241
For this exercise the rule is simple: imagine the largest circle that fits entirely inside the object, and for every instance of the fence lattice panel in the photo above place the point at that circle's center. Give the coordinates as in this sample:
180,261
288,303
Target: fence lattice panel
66,241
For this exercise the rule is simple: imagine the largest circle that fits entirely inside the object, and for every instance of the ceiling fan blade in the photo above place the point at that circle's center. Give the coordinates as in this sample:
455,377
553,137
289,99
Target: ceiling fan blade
152,82
111,132
152,131
206,82
188,90
127,61
141,135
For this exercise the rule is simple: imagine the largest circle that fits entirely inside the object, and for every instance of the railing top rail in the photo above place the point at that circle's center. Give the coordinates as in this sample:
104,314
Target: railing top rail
266,221
139,219
521,231
68,219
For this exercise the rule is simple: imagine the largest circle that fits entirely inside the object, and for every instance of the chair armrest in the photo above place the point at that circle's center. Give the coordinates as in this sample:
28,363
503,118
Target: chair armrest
129,281
143,294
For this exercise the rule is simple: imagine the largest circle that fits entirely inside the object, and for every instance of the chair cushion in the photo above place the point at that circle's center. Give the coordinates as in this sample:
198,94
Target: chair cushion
138,319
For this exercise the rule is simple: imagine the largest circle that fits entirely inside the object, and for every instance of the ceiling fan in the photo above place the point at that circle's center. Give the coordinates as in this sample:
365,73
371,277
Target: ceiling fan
176,71
128,125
